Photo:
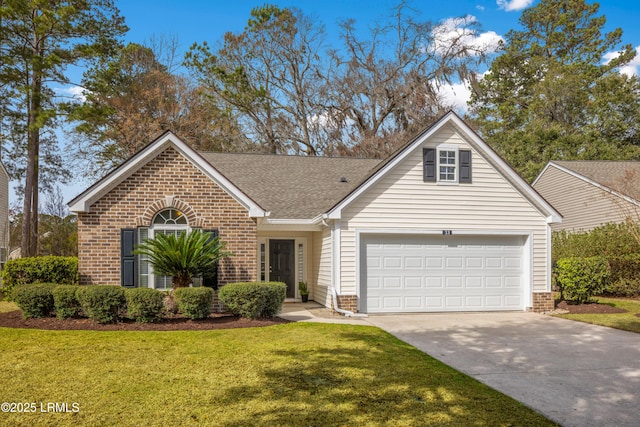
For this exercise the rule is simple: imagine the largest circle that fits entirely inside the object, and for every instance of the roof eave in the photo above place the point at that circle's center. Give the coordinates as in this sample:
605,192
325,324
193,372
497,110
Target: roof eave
451,118
83,202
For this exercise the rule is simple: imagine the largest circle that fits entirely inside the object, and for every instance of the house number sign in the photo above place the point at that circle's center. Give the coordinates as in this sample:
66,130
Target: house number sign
447,232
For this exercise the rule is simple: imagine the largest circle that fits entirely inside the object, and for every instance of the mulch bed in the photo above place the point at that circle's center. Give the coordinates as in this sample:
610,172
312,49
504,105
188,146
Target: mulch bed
589,308
13,319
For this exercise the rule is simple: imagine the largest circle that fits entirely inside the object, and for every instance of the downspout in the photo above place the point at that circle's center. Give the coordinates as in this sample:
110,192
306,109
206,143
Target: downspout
334,294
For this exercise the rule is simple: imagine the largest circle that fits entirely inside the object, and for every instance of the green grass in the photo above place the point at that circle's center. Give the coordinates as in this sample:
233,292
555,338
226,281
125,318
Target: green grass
288,375
625,321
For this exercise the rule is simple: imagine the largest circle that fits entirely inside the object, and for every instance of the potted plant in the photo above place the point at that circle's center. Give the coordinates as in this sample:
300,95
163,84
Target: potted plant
304,290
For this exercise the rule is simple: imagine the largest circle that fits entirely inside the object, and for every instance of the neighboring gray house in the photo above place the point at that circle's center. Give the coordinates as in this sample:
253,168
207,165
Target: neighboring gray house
590,193
444,224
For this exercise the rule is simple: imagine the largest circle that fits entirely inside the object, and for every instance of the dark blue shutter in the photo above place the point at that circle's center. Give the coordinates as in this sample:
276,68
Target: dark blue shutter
210,278
128,264
465,167
429,164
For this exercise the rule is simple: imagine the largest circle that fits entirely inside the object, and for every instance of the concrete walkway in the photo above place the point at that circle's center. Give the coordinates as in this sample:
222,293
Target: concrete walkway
574,373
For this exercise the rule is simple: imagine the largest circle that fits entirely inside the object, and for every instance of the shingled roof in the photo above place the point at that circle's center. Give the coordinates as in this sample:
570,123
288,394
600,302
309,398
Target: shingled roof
292,187
620,176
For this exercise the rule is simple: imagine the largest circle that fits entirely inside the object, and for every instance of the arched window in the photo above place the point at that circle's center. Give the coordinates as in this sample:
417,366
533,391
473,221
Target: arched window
170,217
168,222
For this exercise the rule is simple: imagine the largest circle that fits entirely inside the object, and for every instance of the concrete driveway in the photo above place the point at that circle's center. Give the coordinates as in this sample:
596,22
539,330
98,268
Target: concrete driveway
574,373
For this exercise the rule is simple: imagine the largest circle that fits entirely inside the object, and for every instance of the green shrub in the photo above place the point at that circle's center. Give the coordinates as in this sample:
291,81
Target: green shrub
66,302
253,300
581,278
101,303
47,269
627,288
195,303
609,240
624,267
34,300
144,304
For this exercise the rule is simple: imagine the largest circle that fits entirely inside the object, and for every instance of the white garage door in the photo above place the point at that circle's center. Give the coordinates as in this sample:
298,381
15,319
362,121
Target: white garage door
441,273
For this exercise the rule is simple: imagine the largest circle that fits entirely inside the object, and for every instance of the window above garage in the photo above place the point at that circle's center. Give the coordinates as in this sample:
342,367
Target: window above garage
447,164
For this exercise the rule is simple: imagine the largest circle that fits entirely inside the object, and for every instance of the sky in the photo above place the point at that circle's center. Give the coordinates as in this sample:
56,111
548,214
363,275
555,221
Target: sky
192,21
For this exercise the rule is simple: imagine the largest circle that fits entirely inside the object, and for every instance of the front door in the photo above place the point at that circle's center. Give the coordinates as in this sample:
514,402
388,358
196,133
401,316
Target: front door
281,264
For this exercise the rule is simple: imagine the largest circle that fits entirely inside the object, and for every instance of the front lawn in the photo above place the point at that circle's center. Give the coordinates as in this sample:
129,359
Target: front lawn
288,375
627,321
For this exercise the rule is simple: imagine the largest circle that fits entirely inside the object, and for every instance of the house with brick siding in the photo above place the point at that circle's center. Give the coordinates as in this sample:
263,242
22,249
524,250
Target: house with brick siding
444,224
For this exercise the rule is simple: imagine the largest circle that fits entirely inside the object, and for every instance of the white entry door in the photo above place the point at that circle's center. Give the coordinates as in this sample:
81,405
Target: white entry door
407,273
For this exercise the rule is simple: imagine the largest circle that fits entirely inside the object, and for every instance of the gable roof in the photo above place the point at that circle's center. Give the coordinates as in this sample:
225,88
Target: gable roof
83,202
620,176
299,188
292,187
476,142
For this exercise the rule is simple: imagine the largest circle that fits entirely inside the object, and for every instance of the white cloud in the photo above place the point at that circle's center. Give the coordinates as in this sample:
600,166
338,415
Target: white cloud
456,31
511,5
75,92
632,68
456,94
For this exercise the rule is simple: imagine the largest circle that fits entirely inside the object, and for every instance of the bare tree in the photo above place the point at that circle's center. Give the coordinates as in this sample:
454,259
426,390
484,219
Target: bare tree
389,83
270,77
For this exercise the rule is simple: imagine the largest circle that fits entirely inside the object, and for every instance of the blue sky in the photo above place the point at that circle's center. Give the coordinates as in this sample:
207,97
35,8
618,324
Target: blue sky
207,20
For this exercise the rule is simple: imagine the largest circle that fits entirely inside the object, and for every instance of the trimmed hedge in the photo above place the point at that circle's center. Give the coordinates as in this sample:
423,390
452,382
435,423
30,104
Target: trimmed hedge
47,269
581,278
66,302
144,305
34,300
253,300
195,303
609,240
101,303
627,288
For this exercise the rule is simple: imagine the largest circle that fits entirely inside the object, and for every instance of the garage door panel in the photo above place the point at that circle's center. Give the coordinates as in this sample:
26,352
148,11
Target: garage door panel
392,262
473,301
433,262
413,282
413,262
473,282
433,273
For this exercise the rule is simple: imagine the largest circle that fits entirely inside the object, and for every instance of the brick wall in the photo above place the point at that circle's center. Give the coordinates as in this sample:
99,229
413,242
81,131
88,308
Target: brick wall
542,301
348,302
169,180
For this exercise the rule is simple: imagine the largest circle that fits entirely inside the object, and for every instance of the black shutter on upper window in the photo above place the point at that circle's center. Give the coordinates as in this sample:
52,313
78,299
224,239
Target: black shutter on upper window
429,164
465,167
128,261
210,278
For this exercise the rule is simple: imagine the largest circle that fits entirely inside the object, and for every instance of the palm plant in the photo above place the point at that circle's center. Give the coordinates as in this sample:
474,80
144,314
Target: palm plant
184,256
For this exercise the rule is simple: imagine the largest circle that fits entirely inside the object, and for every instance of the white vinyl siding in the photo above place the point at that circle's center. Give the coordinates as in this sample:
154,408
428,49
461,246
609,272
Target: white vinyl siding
403,203
583,205
321,281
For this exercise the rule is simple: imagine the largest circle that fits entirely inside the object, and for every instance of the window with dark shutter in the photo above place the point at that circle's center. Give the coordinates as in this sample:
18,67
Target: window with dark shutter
128,263
429,164
210,278
465,167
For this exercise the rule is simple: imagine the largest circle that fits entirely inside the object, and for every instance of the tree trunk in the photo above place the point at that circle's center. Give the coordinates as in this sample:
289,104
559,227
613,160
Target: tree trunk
182,281
34,105
30,211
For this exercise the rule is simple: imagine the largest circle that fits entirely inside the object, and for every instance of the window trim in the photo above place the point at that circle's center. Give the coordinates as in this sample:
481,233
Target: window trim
456,165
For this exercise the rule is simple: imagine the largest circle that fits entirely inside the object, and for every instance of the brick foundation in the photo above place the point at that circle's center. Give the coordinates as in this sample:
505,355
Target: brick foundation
348,302
169,180
542,301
